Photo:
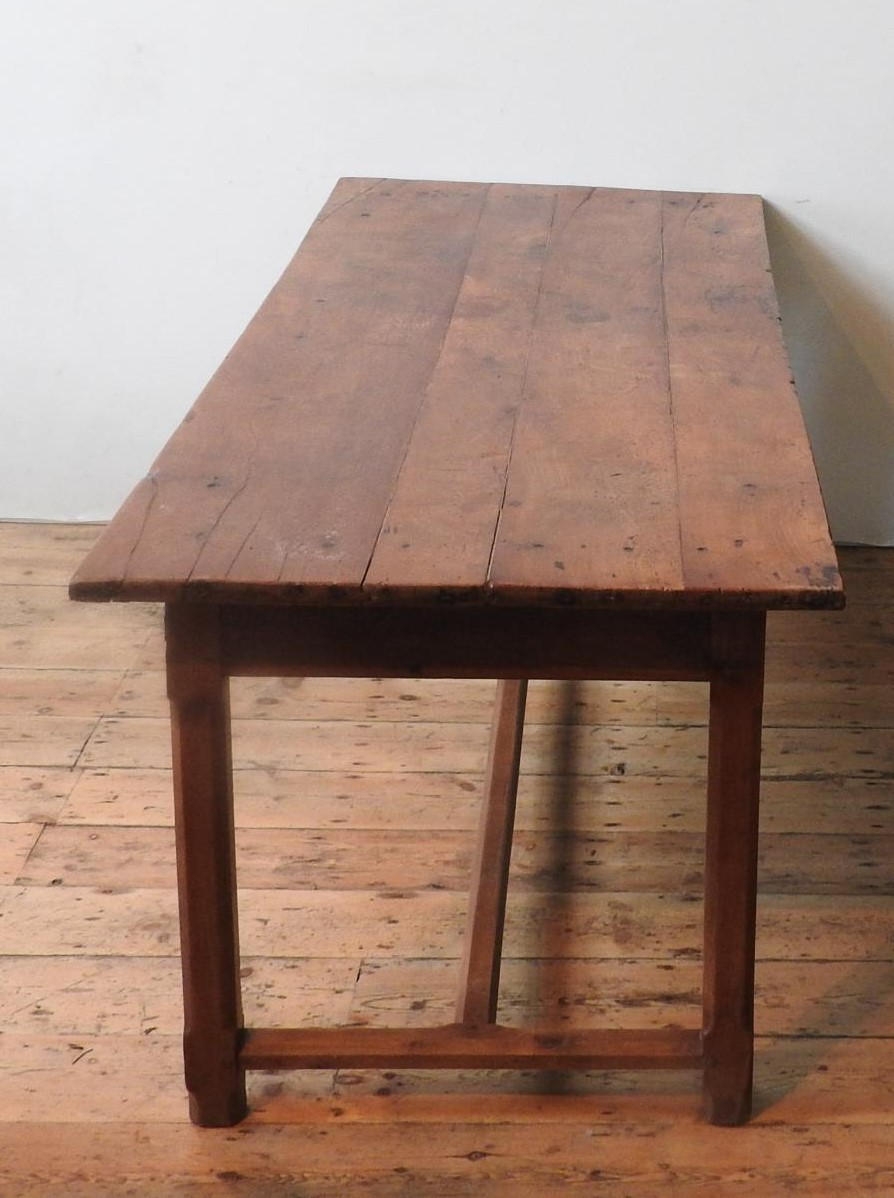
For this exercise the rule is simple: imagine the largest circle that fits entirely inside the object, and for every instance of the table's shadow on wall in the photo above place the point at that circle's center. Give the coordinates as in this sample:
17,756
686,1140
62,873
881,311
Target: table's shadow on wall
848,403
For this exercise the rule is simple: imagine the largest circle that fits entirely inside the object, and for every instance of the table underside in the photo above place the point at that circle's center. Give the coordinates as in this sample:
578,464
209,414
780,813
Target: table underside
208,644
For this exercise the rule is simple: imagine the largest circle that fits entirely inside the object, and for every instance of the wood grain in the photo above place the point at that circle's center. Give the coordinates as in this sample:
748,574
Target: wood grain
134,996
814,805
89,921
142,693
34,795
736,415
93,963
329,400
206,867
438,530
43,740
15,848
458,1047
25,692
811,999
483,948
731,866
591,499
669,751
346,858
43,554
456,391
468,1155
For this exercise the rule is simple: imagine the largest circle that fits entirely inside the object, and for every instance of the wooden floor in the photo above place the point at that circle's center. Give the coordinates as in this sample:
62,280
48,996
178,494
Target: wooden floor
357,803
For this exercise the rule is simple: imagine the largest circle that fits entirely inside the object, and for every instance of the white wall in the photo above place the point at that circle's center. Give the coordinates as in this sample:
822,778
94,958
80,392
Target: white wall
166,156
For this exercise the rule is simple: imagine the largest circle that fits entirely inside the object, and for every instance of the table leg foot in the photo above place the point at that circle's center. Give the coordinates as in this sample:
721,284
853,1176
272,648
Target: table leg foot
221,1102
727,1110
727,1080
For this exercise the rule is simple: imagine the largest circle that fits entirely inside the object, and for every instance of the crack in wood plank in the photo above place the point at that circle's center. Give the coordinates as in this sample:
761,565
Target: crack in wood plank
667,362
152,479
425,390
488,582
324,216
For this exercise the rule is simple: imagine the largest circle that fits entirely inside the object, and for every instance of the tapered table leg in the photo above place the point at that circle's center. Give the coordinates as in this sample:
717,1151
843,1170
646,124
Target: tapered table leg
734,747
480,970
206,869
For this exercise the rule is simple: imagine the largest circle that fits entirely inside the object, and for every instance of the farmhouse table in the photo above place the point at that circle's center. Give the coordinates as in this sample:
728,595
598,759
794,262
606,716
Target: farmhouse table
494,431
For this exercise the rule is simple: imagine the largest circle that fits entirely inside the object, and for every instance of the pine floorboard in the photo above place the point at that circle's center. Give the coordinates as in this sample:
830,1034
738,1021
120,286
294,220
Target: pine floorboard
356,808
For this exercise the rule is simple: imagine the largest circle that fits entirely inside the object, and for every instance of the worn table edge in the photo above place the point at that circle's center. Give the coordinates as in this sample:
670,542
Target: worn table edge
827,597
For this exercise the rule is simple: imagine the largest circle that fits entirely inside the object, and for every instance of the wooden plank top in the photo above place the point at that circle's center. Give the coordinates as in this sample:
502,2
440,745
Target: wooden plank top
461,392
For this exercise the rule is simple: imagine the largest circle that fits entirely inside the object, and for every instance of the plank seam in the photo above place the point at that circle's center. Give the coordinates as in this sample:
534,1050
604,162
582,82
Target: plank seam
152,479
670,387
425,391
524,385
219,517
76,764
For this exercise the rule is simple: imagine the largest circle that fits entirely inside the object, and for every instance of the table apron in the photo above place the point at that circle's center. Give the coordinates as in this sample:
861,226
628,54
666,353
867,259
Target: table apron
457,642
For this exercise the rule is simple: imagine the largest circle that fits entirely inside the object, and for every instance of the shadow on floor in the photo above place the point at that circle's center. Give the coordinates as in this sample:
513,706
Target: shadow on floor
564,802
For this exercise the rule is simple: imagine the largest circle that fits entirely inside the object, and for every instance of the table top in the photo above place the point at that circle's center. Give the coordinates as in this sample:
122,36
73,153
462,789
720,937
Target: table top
462,392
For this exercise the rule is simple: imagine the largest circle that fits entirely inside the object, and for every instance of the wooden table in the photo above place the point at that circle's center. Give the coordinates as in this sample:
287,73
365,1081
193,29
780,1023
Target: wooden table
484,431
